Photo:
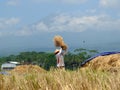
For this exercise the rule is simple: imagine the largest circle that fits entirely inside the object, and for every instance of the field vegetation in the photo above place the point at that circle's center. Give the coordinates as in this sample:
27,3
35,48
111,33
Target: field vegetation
60,79
102,73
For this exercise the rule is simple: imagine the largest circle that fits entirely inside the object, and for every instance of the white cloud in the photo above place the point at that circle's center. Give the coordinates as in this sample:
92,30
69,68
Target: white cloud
40,27
6,23
91,11
13,2
73,1
66,23
69,23
25,31
110,3
62,1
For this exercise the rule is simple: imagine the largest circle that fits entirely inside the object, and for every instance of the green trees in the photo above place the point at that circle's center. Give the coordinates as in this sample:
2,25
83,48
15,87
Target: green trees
74,60
47,60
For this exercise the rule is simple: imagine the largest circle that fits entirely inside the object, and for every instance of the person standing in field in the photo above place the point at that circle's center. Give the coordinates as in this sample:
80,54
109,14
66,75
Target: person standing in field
59,53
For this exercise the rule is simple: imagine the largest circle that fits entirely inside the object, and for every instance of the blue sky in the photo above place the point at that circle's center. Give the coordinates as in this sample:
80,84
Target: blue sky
26,24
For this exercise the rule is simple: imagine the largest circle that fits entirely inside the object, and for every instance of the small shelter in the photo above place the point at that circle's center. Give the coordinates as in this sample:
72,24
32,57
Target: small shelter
9,65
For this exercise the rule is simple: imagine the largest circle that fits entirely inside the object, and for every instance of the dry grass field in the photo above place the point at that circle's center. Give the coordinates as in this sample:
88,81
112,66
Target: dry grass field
35,78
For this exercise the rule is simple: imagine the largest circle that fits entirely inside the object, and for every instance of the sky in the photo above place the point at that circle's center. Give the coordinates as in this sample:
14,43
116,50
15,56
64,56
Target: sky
32,24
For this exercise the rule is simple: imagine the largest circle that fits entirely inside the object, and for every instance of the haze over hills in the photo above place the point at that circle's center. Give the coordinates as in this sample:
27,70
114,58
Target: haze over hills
101,48
99,40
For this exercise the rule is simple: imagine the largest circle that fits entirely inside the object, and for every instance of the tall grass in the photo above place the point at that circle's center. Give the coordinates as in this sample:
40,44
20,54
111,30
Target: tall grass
56,79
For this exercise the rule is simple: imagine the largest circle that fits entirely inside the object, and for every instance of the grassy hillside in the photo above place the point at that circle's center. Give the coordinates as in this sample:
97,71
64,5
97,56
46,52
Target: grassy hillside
57,79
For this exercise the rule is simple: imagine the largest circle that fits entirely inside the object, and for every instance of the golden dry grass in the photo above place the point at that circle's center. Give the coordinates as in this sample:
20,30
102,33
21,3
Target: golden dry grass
58,79
105,63
23,69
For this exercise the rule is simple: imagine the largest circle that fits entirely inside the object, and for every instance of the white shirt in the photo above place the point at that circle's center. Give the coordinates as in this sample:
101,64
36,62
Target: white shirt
60,58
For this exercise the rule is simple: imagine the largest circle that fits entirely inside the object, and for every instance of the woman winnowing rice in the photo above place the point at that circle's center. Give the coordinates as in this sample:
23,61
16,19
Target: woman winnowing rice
59,53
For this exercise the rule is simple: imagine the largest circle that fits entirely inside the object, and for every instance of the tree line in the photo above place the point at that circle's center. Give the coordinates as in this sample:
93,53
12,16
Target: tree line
47,60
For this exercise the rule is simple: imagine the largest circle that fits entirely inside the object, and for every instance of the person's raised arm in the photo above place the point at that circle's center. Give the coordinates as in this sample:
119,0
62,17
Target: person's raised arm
60,51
